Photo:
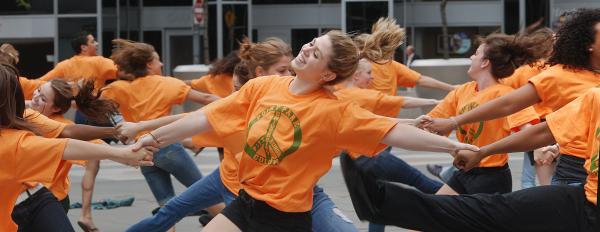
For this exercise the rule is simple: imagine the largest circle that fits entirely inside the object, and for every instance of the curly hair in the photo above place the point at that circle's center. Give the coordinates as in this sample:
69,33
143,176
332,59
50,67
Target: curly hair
574,39
225,65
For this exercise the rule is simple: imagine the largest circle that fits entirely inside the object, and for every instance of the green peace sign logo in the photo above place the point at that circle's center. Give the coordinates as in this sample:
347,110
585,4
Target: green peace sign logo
471,134
265,149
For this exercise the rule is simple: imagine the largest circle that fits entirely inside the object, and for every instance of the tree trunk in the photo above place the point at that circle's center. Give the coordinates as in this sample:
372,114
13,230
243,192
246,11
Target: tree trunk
444,29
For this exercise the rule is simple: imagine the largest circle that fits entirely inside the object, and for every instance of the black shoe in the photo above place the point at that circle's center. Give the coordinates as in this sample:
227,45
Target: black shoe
204,219
435,170
363,188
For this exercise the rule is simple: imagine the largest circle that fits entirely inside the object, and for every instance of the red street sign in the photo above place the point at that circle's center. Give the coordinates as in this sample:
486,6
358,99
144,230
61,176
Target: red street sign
199,12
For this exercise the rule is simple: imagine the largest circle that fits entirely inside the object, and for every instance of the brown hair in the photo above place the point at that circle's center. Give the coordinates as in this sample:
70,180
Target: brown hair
242,73
89,103
508,52
226,64
344,58
131,58
12,101
386,36
360,40
8,54
263,54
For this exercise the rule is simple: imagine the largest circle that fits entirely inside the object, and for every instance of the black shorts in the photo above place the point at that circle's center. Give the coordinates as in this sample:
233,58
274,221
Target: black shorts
250,215
482,180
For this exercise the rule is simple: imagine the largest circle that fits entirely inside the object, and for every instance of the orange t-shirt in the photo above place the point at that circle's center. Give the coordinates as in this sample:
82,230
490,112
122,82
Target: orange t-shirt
61,183
557,87
220,85
232,152
95,68
372,100
578,123
43,125
466,98
146,98
521,77
387,77
291,139
25,158
29,86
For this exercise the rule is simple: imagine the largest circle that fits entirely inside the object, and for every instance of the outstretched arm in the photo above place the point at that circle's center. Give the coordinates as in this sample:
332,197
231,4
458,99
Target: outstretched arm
80,150
413,102
427,81
190,125
411,138
131,129
85,132
201,97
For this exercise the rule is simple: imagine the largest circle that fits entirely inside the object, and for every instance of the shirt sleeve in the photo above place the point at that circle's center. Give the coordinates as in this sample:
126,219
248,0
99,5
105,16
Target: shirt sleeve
387,105
43,125
29,86
200,84
406,77
361,131
571,123
546,88
524,116
54,73
38,158
178,88
446,108
228,115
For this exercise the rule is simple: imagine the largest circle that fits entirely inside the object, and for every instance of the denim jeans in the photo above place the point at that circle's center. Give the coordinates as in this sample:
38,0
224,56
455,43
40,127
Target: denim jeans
386,166
528,174
210,190
41,212
569,171
172,159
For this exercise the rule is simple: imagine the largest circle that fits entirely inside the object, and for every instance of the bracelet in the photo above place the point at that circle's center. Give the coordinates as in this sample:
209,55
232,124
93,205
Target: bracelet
154,138
455,122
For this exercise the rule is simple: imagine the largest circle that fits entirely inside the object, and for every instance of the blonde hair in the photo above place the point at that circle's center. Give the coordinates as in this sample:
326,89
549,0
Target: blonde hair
359,40
386,36
263,54
8,54
344,58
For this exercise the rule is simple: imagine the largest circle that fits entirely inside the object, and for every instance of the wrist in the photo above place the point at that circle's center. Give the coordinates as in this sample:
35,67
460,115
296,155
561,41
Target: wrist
454,121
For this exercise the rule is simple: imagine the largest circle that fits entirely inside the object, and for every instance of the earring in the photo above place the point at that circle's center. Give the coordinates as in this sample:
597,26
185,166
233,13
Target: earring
590,49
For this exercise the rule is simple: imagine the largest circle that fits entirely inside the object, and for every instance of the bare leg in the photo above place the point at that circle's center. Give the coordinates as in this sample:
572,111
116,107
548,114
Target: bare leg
446,190
87,190
545,172
215,209
221,224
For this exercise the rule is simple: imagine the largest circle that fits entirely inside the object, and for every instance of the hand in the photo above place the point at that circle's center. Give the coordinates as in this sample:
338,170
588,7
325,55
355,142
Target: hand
127,131
458,146
144,141
466,159
546,155
141,157
441,126
422,121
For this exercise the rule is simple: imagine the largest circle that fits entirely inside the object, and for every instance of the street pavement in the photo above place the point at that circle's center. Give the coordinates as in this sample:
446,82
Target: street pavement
117,181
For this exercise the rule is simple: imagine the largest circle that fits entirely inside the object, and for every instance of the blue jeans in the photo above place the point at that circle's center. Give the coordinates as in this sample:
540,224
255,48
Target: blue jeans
210,190
386,166
172,159
528,174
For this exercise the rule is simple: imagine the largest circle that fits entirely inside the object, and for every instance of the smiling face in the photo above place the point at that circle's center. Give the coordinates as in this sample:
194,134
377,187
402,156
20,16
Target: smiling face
311,63
43,100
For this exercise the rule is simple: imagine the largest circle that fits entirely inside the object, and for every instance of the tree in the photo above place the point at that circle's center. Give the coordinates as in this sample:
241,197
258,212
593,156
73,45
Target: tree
444,29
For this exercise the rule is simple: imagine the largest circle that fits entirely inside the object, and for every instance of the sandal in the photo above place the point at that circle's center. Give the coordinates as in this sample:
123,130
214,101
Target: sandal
86,227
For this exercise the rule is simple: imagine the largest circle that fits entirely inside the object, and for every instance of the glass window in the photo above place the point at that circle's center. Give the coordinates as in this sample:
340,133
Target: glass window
34,56
301,37
268,2
361,15
168,2
235,27
462,40
15,7
76,6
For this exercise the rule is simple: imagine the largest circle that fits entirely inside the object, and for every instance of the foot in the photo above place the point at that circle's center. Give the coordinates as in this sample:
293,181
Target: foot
87,225
435,170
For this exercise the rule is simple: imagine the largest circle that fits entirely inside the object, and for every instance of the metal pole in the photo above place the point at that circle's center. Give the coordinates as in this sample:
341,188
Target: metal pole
56,33
127,26
99,25
344,16
522,14
219,28
141,20
249,9
118,9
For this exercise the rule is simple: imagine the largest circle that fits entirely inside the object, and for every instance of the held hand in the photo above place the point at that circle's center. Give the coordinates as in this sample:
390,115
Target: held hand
467,159
546,155
128,131
423,121
442,126
141,157
144,141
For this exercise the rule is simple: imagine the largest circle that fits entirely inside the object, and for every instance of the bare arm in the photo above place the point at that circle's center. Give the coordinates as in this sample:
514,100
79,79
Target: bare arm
188,82
500,107
131,129
190,125
80,150
427,81
529,139
413,102
412,138
85,132
200,97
